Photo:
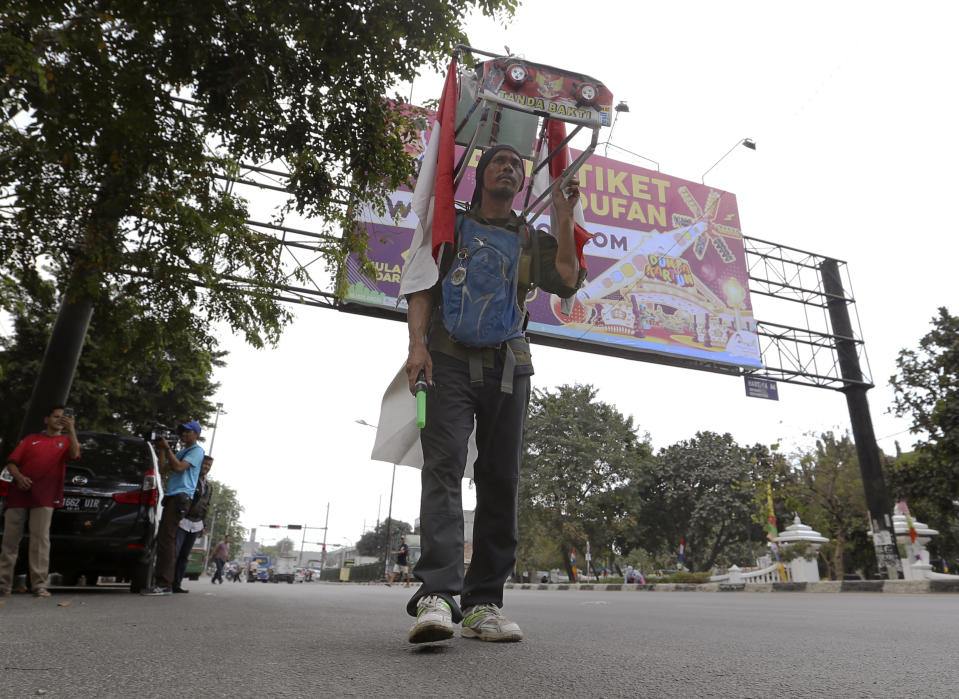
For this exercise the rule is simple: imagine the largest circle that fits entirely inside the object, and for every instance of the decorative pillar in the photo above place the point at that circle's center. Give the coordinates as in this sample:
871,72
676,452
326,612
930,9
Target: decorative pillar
802,569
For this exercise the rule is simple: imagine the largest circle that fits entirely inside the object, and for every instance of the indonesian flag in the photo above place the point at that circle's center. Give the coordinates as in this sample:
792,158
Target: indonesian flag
555,134
904,509
433,197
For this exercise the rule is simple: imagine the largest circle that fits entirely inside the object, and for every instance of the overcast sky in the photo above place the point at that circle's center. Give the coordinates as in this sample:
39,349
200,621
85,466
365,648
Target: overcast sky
851,106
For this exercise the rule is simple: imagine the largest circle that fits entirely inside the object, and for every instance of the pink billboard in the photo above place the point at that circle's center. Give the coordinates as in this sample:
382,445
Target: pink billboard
667,270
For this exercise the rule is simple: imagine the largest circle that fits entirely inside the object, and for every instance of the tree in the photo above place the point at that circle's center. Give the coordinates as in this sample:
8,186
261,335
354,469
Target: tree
224,517
373,542
119,118
699,490
110,176
927,390
124,379
830,488
580,455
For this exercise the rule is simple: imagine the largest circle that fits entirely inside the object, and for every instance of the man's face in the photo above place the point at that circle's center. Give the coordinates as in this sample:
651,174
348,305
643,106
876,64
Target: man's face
189,437
503,176
205,468
55,419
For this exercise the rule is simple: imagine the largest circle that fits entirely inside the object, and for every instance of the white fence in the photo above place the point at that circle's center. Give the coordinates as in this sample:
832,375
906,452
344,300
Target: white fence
769,574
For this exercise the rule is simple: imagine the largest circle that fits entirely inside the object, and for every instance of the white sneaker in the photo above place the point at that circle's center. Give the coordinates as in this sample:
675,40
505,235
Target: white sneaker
434,620
487,623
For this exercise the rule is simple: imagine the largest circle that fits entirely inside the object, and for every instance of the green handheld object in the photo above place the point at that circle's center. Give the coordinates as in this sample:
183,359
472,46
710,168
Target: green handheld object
420,388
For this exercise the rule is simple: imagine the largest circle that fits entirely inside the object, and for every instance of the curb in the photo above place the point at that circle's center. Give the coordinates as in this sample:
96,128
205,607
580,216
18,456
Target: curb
900,587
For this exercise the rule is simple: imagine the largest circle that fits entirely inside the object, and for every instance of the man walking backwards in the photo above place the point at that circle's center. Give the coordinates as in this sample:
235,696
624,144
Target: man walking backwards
473,374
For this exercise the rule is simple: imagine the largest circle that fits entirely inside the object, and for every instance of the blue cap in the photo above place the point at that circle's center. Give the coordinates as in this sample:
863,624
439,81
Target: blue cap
191,425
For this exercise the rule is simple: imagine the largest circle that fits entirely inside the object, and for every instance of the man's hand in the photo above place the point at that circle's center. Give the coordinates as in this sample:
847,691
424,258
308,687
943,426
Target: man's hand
70,424
564,200
23,482
418,360
417,319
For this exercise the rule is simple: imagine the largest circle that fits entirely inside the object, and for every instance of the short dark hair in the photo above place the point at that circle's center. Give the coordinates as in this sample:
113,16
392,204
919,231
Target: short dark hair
58,406
207,457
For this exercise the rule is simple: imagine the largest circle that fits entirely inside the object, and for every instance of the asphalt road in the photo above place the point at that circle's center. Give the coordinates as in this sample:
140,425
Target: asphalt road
328,639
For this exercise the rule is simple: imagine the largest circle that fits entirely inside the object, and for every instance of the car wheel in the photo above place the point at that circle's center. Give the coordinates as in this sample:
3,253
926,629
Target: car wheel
143,573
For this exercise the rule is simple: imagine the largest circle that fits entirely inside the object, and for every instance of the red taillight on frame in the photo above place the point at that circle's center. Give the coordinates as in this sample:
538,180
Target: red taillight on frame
147,495
149,491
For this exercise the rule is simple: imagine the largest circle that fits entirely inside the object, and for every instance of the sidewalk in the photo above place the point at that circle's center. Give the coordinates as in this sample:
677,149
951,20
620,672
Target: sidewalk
902,587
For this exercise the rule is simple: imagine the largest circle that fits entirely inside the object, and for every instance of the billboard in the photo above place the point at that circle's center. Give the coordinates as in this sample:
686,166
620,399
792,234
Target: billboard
667,271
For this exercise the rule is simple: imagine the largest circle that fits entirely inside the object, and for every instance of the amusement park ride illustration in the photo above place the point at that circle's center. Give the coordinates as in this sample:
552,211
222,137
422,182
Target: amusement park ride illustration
503,100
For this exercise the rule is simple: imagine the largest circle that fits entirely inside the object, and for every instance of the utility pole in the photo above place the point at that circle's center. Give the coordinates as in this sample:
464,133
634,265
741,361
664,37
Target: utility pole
323,552
870,466
389,523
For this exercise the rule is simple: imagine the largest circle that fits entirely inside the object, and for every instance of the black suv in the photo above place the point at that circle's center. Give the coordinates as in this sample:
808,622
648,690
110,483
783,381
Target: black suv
107,526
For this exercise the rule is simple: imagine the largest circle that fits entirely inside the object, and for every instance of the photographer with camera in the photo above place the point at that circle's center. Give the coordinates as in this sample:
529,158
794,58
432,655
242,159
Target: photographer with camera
185,466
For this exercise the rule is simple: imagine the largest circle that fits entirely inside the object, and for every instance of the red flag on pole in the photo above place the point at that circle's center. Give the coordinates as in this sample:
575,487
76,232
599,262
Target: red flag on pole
433,196
555,134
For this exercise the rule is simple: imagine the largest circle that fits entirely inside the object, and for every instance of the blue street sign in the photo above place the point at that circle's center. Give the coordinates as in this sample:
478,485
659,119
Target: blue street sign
761,388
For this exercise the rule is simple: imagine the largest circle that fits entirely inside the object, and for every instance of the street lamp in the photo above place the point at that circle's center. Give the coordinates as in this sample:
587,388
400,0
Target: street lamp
389,515
747,142
219,409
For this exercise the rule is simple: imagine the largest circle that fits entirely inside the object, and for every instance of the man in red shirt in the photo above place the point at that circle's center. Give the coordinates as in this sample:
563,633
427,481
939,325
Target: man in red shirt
38,468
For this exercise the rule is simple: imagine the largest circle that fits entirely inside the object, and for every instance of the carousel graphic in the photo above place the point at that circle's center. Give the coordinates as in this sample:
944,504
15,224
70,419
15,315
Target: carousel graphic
674,288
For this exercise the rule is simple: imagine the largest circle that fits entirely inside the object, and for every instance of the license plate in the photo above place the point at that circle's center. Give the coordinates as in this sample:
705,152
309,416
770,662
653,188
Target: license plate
81,504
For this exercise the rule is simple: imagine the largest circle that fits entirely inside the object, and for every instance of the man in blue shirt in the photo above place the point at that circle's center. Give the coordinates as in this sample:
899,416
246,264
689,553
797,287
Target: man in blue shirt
185,466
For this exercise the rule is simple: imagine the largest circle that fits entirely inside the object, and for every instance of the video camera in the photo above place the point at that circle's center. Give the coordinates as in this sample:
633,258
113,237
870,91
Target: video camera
159,431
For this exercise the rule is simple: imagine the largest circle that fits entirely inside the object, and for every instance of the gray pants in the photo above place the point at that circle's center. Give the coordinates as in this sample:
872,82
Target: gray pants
451,405
14,521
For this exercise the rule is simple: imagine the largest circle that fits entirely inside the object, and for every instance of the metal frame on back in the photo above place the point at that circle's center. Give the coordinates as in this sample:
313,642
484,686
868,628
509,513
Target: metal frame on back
508,84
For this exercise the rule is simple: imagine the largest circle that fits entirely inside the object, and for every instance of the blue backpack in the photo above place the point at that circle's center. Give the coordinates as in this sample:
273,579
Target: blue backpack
480,307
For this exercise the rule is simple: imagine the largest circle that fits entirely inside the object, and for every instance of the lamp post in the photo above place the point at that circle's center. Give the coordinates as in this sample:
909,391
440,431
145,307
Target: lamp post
216,420
389,514
747,142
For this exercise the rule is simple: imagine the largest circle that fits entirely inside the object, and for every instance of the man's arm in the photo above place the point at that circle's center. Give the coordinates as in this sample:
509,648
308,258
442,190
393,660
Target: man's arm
567,263
21,481
161,453
167,459
74,452
12,465
417,321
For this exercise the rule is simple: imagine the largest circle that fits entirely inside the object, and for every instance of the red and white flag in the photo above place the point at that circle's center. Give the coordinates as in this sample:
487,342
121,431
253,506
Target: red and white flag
433,197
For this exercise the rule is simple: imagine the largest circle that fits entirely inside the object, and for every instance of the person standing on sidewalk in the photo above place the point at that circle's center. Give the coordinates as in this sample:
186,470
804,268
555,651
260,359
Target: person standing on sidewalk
38,468
220,555
192,526
185,466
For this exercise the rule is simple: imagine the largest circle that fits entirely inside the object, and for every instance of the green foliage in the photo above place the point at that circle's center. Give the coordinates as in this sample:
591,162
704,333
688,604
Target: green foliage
107,176
702,490
832,498
136,368
927,390
224,517
580,456
682,577
373,542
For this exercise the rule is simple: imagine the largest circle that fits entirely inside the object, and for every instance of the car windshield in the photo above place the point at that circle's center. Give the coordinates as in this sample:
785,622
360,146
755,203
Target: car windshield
110,455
